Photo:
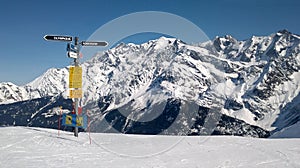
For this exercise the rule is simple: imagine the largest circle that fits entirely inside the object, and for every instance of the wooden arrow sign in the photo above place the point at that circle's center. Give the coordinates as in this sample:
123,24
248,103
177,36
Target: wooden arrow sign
58,38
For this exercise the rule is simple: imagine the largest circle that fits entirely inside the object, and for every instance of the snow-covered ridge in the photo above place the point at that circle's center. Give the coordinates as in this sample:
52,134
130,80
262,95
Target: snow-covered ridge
53,82
10,93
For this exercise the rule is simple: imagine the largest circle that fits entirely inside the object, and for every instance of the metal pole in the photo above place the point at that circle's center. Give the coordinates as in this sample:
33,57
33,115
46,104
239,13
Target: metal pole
76,62
60,111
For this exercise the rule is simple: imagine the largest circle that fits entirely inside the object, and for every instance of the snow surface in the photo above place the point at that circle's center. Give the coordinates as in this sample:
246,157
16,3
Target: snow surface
36,147
292,131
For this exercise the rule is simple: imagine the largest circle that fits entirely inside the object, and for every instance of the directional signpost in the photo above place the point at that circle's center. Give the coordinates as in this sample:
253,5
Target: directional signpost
75,74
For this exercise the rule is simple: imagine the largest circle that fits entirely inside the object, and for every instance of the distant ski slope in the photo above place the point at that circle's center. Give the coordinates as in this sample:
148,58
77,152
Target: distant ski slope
22,147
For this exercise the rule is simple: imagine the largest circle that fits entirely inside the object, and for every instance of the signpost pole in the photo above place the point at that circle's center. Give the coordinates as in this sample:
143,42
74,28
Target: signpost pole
76,63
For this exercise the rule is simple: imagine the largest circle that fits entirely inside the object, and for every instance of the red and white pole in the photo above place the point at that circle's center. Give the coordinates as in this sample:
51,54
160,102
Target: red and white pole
89,128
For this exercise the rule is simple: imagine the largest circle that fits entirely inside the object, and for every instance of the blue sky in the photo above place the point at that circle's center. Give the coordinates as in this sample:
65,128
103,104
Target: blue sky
25,55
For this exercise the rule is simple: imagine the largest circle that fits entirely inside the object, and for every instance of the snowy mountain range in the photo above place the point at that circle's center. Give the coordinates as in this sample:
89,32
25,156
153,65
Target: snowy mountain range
166,86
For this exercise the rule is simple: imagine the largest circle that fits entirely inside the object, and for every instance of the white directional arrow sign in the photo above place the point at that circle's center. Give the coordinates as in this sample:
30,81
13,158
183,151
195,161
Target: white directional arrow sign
72,54
58,38
94,43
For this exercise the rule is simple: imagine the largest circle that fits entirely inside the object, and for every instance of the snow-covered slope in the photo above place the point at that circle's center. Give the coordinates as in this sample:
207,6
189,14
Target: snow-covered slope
10,93
22,147
255,81
267,77
292,131
52,83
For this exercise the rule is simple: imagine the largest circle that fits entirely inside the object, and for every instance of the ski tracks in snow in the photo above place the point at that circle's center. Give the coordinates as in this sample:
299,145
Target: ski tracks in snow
37,147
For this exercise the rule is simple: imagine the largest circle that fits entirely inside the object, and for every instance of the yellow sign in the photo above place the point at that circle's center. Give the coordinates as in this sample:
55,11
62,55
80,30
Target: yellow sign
79,121
74,120
69,120
75,77
76,93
